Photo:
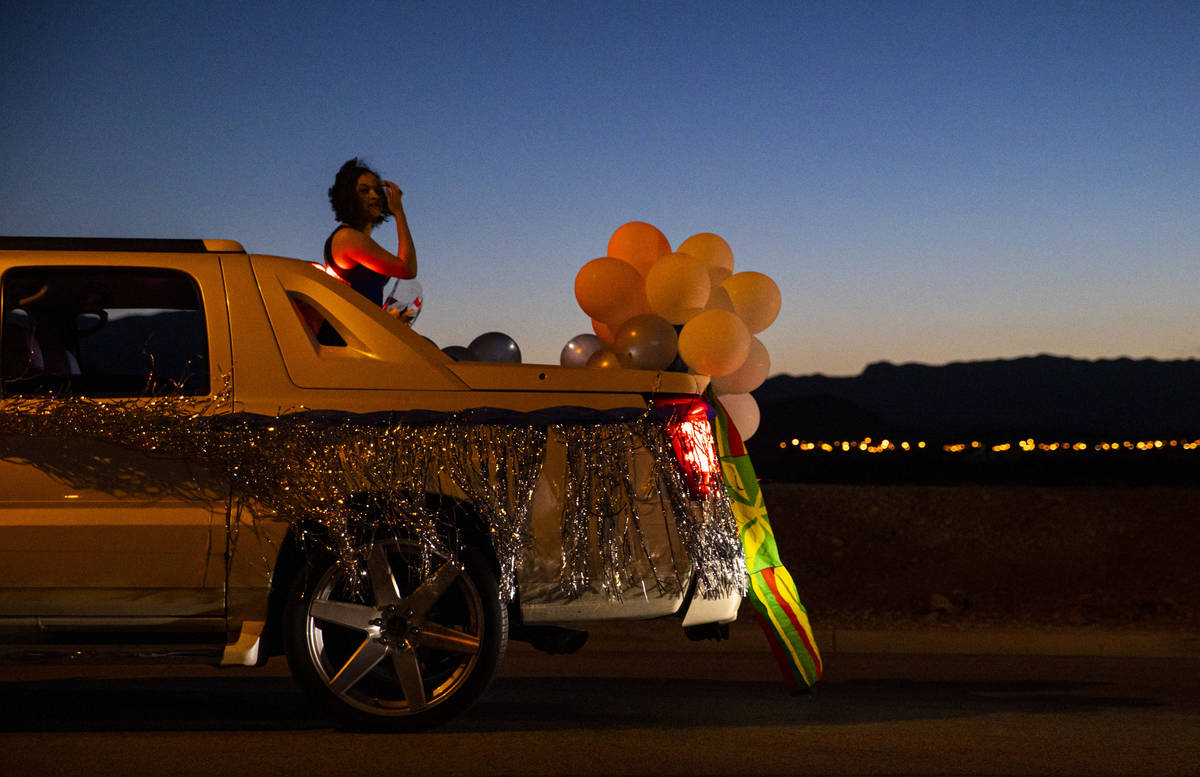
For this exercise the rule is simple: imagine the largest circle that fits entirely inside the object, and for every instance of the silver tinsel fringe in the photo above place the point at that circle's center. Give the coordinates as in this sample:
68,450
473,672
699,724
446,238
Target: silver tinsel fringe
362,477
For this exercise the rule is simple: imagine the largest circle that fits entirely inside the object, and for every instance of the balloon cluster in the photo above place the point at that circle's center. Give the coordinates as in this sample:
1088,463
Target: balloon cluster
654,309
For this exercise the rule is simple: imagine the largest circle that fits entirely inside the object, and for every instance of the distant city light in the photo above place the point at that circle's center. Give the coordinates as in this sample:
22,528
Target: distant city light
1025,445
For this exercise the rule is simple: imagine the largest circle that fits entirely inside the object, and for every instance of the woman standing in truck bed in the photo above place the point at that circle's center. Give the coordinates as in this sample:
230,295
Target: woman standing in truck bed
361,202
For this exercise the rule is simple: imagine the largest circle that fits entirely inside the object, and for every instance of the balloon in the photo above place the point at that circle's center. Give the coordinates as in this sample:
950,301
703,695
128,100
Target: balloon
716,342
403,299
743,413
610,290
646,342
495,347
678,287
638,243
579,349
604,359
603,331
750,375
713,251
719,300
756,299
458,353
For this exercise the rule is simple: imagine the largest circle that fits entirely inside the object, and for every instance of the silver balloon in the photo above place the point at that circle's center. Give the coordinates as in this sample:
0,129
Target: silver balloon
646,342
459,353
495,347
579,349
604,359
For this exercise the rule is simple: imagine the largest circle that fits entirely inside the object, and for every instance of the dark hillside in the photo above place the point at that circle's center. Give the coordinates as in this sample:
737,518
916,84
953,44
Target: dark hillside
1041,396
989,404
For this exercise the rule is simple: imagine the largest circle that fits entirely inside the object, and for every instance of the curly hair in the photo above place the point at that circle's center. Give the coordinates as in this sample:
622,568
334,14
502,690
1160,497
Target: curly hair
343,195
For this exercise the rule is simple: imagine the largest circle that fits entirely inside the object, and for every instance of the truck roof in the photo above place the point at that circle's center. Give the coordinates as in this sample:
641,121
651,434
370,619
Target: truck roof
121,244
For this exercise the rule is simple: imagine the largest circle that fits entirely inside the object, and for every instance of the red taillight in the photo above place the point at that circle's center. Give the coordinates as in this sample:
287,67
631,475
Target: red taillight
695,449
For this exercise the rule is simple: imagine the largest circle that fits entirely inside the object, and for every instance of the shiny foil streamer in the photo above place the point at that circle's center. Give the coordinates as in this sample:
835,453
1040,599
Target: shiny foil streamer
347,480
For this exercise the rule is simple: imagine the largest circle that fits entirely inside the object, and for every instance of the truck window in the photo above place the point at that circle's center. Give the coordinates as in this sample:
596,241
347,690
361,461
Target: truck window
102,331
315,323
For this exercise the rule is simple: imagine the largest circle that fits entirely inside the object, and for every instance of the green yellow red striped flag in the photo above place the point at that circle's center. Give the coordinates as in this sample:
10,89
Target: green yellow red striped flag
772,592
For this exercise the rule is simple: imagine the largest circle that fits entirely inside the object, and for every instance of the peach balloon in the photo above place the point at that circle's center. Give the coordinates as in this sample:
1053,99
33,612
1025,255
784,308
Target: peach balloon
716,342
743,413
638,243
678,287
719,300
750,375
756,299
610,290
713,251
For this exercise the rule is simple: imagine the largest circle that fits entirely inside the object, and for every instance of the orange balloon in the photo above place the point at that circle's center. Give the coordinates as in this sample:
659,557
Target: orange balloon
603,331
610,290
678,287
716,342
756,299
714,251
638,243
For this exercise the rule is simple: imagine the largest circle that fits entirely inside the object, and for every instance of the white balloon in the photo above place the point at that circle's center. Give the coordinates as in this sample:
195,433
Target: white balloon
742,410
750,375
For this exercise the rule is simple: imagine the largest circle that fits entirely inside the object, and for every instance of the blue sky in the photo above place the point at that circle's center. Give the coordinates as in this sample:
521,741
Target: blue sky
925,181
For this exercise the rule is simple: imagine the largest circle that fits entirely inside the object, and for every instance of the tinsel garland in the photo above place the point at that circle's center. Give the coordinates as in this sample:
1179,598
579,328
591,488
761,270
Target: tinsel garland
315,467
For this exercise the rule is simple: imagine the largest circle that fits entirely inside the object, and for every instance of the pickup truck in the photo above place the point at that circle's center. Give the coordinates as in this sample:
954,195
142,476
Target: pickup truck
216,456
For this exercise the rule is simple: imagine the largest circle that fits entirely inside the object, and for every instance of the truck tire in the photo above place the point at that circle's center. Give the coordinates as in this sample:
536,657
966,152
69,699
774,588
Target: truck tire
408,648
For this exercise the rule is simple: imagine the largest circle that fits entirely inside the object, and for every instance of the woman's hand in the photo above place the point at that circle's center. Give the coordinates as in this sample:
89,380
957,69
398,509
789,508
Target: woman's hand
394,197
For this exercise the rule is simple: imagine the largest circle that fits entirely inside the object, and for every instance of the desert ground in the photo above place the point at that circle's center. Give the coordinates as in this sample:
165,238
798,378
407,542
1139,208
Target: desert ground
965,556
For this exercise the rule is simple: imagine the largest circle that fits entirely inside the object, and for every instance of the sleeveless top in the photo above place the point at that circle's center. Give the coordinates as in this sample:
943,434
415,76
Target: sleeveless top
364,280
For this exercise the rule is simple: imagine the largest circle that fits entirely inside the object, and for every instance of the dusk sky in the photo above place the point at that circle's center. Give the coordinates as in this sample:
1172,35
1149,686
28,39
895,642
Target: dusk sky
925,181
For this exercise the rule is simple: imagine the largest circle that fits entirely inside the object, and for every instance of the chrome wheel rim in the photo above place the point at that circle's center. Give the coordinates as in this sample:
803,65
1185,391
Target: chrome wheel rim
402,643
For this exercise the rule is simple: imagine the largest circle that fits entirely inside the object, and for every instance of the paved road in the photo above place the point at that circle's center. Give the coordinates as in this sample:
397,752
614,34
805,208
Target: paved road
670,708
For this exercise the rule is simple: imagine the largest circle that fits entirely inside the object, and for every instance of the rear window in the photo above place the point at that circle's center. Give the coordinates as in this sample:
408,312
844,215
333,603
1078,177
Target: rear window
102,331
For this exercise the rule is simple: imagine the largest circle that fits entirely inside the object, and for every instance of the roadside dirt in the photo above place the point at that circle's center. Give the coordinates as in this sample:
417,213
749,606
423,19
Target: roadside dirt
960,557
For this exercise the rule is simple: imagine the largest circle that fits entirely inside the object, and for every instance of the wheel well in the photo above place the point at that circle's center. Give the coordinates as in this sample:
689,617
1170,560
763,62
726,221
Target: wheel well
288,565
298,548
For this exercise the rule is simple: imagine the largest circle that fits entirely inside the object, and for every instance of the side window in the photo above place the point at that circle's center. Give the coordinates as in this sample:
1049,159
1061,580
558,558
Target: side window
102,331
315,323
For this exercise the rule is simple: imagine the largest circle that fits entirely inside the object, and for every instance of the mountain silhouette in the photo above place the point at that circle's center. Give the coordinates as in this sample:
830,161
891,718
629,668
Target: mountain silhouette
1046,397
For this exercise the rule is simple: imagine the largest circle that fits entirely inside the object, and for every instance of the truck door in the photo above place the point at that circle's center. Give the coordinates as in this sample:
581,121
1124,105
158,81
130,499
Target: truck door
93,529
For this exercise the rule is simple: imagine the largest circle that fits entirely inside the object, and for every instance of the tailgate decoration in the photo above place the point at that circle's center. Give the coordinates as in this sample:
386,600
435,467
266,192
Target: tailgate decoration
348,479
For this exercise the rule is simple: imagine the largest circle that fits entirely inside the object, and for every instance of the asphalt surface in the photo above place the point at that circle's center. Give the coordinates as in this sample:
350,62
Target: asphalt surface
639,699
